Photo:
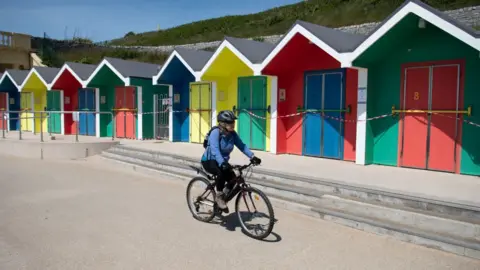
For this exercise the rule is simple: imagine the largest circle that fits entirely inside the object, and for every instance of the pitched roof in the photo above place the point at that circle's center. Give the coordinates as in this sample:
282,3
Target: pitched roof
334,42
254,51
196,59
83,71
133,69
438,18
47,73
447,18
444,16
17,75
337,39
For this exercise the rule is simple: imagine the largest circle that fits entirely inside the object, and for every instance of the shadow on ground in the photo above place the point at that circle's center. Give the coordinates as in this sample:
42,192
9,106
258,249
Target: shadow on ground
231,223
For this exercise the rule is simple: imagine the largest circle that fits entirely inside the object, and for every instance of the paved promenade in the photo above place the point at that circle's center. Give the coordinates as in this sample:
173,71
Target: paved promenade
97,215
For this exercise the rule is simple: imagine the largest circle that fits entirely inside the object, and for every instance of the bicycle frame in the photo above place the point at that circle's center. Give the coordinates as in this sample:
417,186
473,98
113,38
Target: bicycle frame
241,190
239,186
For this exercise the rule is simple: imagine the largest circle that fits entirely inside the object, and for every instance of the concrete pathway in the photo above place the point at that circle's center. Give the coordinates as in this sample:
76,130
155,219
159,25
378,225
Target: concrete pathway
95,215
434,185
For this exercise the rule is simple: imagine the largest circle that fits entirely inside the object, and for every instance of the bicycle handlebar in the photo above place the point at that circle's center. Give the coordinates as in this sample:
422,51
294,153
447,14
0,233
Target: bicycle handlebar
242,167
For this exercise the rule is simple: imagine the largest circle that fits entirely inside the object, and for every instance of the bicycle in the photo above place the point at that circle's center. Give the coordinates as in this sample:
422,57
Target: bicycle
240,189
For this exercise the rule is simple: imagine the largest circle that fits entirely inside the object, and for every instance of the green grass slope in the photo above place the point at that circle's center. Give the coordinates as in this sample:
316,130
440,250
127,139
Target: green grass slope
56,52
332,13
94,55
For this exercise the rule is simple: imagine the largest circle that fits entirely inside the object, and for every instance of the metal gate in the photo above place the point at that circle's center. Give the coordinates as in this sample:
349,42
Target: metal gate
161,116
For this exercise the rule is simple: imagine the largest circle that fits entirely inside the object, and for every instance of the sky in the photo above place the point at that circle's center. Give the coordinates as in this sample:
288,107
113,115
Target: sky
101,20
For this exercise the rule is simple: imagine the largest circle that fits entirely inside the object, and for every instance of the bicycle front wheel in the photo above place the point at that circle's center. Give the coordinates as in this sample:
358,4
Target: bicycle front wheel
251,203
201,199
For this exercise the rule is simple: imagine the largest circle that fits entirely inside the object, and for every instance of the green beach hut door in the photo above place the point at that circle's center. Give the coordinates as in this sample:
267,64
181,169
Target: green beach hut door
252,97
54,105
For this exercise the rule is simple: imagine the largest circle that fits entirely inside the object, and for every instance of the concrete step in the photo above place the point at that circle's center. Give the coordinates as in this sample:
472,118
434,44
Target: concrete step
418,227
444,209
420,205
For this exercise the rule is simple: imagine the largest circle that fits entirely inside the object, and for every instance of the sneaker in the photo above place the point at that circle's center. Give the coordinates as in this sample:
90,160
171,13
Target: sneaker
219,199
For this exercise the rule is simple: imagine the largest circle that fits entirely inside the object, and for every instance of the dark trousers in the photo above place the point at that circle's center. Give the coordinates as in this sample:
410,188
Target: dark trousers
223,177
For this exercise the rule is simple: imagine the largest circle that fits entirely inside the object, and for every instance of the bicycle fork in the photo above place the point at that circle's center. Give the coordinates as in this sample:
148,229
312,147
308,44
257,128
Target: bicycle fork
251,199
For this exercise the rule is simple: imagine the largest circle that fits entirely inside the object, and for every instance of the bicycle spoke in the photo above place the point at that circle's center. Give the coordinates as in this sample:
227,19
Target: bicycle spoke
201,206
256,228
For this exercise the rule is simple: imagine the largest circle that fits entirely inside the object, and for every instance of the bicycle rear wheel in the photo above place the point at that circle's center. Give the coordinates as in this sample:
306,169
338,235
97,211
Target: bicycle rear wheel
252,197
201,199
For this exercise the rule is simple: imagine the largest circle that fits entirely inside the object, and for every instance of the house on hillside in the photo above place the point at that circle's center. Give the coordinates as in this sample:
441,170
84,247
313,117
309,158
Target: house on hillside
16,52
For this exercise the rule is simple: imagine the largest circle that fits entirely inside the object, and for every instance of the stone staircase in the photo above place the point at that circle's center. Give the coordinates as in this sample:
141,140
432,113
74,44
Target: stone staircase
37,61
436,224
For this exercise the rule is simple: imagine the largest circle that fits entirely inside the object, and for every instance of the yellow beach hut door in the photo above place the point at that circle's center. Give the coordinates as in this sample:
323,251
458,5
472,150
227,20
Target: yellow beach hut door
200,111
26,108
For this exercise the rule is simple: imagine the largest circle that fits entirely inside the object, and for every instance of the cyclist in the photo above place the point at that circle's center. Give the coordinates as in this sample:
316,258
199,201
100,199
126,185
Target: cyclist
220,143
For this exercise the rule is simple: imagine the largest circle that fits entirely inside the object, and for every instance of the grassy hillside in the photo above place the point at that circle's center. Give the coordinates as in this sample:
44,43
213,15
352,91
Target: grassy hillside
94,55
55,52
332,13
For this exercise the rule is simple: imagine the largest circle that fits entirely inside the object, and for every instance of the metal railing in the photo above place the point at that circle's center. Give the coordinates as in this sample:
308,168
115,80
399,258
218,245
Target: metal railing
47,115
348,109
468,111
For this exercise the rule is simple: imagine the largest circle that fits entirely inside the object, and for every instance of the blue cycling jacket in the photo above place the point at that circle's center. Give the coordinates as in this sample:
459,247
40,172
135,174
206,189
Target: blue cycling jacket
220,146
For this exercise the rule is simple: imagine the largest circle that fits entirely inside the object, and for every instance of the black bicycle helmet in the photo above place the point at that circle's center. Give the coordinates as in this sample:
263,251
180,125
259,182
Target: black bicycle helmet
226,117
